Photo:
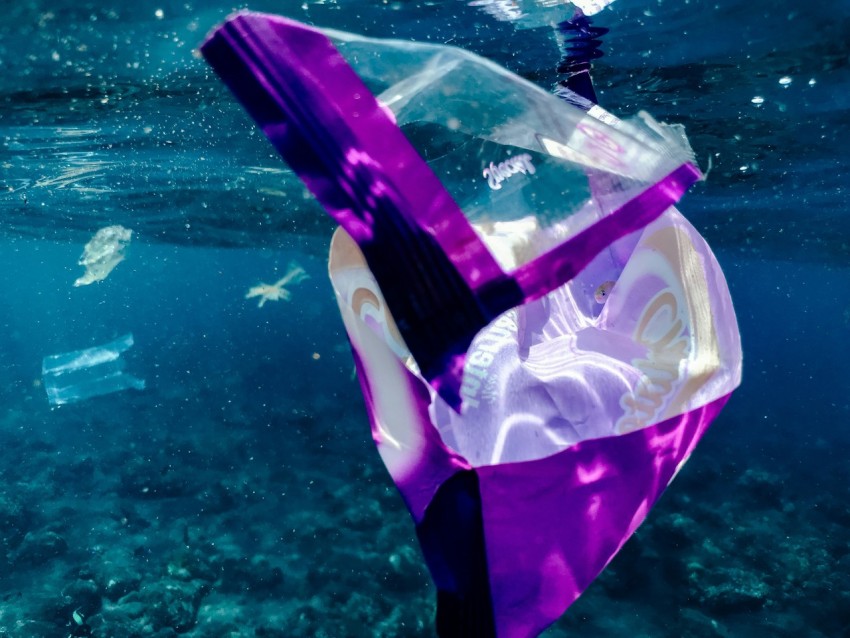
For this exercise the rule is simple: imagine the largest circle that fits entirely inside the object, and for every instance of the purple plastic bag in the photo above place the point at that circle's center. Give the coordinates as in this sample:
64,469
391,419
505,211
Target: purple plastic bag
541,339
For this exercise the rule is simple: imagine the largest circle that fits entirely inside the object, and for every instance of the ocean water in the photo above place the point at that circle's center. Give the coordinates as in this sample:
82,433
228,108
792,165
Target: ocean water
239,494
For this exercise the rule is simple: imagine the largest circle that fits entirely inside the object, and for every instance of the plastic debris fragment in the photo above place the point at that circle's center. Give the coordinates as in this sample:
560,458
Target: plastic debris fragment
276,291
75,376
103,252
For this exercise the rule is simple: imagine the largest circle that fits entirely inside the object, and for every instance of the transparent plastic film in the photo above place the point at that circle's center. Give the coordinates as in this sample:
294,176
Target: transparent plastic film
528,169
103,253
74,376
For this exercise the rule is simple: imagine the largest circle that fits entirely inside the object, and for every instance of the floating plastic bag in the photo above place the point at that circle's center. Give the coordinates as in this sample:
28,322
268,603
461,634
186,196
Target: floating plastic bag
103,252
541,339
74,376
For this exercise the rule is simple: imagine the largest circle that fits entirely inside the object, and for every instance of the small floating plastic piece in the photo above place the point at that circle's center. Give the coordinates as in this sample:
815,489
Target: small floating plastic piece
75,376
276,291
103,252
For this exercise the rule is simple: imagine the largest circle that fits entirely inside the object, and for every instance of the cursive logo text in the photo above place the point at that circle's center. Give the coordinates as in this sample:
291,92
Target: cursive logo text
498,173
663,333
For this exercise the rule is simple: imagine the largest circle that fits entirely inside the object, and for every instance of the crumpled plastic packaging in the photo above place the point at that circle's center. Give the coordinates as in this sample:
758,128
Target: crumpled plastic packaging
74,376
540,337
103,252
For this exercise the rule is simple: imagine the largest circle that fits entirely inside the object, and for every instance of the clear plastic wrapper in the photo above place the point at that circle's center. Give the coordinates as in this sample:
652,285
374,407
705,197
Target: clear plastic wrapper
75,376
103,252
508,151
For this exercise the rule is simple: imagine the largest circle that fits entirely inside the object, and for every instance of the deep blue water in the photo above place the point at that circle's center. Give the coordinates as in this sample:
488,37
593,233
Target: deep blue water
249,450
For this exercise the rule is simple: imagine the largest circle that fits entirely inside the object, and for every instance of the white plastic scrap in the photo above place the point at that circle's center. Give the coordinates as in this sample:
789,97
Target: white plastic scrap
74,376
105,251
